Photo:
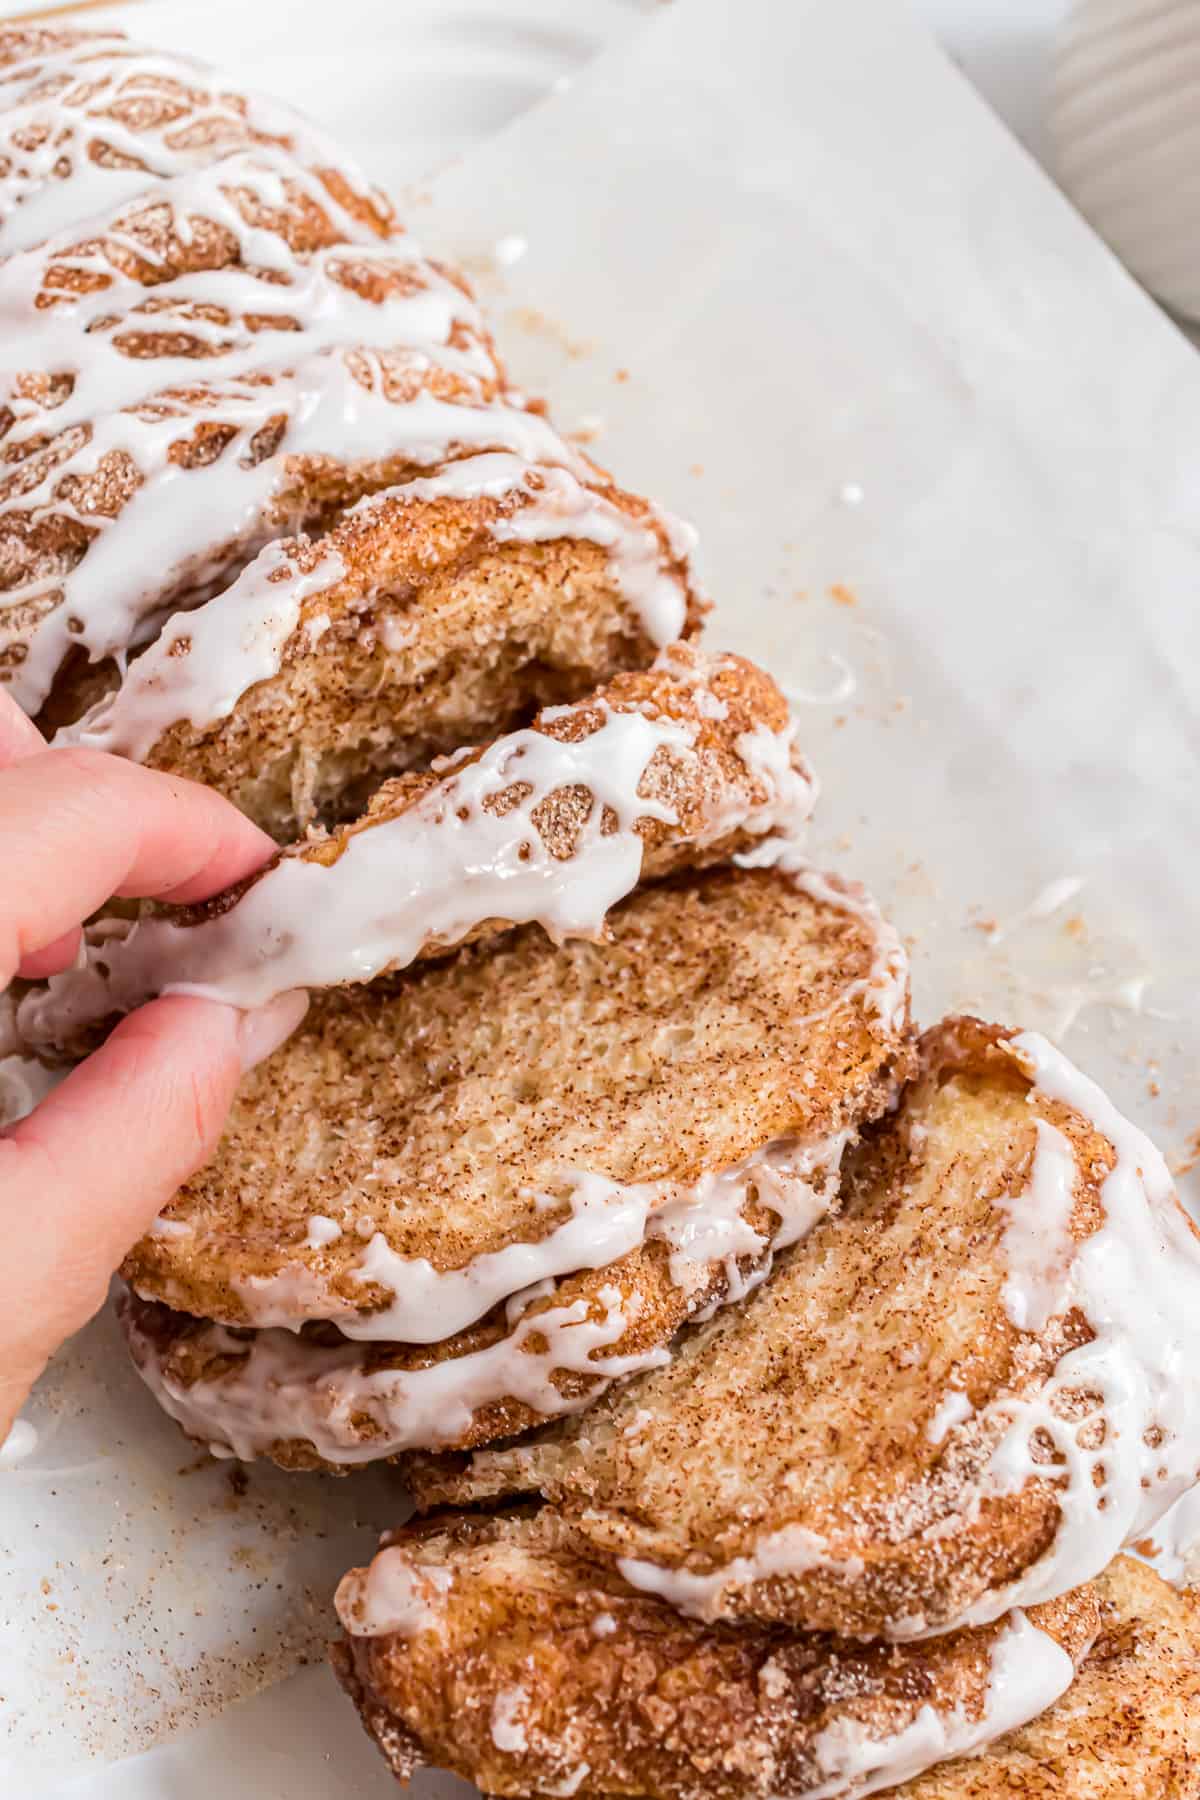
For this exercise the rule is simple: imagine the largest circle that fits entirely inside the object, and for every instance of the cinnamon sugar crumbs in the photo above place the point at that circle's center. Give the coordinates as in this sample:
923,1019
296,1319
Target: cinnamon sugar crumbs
841,595
1191,1156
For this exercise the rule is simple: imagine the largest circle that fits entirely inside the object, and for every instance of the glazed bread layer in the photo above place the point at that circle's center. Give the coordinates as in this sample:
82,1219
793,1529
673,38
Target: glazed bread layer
89,119
239,343
682,765
484,1646
444,1113
1128,1727
437,614
961,1394
650,1117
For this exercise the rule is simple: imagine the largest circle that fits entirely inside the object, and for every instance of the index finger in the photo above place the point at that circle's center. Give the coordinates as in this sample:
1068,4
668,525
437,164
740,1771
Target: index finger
80,826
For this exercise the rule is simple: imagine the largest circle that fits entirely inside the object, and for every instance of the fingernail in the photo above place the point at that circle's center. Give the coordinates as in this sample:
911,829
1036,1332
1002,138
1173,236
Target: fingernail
263,1030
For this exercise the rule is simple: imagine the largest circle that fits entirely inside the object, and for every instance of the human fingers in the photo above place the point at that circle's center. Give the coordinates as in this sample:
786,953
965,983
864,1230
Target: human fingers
85,1174
80,826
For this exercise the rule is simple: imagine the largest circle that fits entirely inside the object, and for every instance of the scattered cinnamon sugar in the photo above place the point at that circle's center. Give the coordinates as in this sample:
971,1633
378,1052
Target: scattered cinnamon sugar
529,318
842,595
1184,1164
1076,928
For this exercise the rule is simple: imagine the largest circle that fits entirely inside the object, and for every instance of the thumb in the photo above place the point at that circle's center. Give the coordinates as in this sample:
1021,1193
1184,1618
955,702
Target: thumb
93,1164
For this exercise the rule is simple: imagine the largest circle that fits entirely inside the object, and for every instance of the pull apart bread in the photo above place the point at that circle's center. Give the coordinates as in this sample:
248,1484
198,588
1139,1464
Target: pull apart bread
463,1200
963,1393
486,1645
215,331
432,615
684,764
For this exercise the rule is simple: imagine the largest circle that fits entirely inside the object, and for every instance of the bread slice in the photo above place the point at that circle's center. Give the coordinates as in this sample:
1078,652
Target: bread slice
440,613
240,346
482,1645
682,765
963,1393
550,1156
116,116
1130,1725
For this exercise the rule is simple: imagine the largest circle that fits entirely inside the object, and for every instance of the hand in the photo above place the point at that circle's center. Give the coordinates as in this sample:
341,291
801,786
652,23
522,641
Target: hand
82,1177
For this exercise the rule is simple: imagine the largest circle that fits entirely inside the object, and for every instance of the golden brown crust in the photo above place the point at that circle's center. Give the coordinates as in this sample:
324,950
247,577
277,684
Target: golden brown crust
1129,1727
696,786
814,1407
728,1008
530,1669
128,116
440,634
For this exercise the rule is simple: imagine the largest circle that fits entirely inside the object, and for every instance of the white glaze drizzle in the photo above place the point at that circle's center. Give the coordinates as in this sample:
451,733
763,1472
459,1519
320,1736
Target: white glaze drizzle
1037,1245
703,1222
284,1387
391,1596
955,1409
21,1442
885,986
432,873
1028,1671
69,157
792,1550
1137,1282
190,527
288,1389
206,660
507,1720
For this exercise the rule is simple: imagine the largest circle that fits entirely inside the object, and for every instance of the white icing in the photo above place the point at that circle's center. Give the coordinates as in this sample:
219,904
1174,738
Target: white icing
1174,1547
20,1443
433,872
239,638
603,1625
1137,1282
189,528
1127,1458
1037,1244
65,97
508,1730
170,1228
391,1596
204,661
1028,1671
321,1231
702,1221
286,1387
885,986
955,1409
570,1784
792,1550
1051,898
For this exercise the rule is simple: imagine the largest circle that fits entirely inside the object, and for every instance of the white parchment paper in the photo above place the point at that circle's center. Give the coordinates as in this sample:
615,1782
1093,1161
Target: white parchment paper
777,264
